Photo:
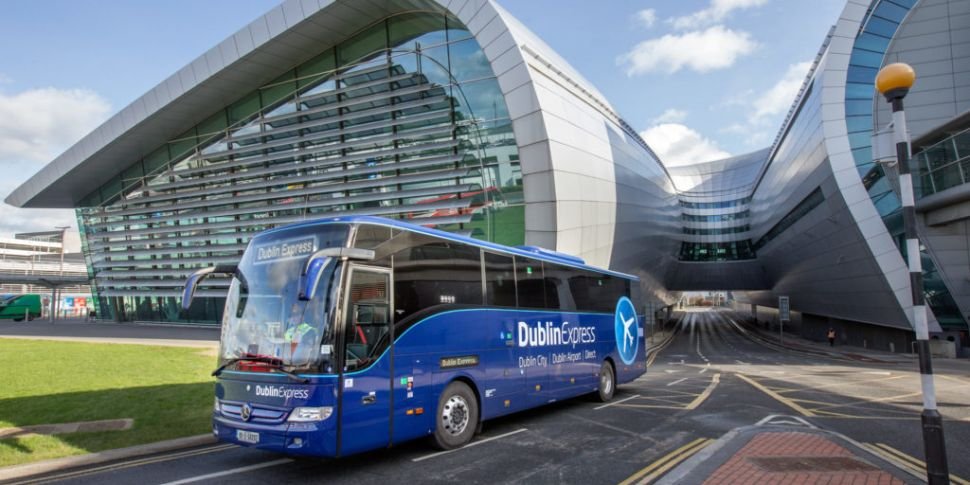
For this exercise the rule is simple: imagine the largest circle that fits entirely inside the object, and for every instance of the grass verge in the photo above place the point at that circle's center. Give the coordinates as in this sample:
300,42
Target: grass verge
166,390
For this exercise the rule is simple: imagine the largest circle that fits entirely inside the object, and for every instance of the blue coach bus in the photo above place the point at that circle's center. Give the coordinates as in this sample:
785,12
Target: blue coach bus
347,334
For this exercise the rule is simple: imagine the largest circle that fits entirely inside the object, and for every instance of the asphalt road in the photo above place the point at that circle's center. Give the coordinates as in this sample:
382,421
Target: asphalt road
712,377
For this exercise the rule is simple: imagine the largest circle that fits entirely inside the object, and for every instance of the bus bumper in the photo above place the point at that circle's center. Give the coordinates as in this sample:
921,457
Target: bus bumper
308,439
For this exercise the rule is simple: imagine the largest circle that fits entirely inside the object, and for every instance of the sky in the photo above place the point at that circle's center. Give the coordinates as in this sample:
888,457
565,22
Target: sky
699,79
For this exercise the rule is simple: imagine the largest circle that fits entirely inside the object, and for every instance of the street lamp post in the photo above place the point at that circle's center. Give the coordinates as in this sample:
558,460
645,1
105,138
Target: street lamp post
894,81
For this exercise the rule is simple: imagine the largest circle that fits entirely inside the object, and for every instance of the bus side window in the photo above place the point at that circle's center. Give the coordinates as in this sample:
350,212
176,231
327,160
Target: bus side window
367,328
558,296
499,280
529,282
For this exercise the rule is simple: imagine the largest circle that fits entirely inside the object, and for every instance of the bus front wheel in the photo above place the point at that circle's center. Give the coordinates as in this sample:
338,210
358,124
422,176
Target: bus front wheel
607,382
457,417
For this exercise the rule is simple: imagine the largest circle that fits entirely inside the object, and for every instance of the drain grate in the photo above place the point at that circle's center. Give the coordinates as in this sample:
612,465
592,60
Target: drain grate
810,464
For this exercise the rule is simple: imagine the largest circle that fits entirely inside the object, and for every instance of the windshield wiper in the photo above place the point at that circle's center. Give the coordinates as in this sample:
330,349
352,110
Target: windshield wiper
275,366
290,374
247,357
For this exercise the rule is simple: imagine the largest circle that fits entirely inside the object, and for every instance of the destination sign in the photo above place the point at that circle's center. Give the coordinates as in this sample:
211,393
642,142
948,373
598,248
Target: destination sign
285,249
455,362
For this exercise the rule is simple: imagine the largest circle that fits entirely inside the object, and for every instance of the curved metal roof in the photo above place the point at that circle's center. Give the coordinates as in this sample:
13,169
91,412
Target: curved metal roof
284,37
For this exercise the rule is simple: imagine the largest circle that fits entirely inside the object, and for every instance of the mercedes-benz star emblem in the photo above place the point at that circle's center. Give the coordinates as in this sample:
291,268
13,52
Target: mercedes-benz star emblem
247,412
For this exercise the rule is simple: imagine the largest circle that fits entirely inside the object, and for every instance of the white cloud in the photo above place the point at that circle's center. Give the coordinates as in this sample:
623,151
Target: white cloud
671,115
647,17
35,126
780,97
702,51
38,124
765,111
715,13
678,145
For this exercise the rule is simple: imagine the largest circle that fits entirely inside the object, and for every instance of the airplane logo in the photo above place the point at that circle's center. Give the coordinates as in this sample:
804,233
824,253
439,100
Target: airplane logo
627,330
627,335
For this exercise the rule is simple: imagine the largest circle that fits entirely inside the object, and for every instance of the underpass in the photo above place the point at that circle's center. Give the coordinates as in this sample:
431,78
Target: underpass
713,374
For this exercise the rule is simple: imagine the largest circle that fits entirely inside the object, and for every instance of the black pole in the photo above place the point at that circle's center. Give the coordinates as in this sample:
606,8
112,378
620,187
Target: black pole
934,446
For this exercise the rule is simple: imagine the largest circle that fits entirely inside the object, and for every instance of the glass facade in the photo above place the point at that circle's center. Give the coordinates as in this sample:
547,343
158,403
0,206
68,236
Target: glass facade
724,204
942,165
810,202
734,216
715,231
879,27
718,251
403,120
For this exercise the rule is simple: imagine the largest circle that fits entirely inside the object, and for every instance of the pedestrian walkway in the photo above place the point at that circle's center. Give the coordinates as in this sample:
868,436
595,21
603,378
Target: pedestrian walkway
785,449
798,343
138,334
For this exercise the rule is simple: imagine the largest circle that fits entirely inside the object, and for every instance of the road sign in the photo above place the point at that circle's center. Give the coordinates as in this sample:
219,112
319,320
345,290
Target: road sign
784,310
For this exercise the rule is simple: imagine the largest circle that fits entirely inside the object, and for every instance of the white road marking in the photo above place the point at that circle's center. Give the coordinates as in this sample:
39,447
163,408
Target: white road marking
742,362
616,402
469,445
670,371
232,471
879,373
704,370
678,381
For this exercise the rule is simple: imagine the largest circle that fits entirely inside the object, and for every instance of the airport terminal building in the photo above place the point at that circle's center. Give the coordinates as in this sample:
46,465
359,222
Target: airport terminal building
452,114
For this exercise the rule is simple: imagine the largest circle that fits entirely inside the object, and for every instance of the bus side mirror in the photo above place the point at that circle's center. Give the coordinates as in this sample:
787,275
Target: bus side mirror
192,284
310,278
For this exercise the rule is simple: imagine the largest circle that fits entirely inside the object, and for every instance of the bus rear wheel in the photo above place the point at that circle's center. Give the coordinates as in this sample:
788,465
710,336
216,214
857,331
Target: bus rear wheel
607,382
457,417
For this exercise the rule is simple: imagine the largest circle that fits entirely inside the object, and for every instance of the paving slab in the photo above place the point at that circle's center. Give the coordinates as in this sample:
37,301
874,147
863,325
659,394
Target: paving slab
787,453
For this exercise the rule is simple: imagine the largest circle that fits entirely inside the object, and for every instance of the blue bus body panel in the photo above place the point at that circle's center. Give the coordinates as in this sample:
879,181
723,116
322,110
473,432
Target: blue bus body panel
272,397
513,359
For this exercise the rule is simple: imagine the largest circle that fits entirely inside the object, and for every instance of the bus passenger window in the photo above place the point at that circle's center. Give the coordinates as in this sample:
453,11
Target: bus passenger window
530,285
499,280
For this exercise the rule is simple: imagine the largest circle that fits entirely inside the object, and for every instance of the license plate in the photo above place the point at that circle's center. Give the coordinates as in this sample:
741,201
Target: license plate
247,436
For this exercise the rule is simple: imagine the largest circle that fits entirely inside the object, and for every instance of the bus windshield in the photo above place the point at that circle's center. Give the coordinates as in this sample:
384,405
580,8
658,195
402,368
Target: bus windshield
265,321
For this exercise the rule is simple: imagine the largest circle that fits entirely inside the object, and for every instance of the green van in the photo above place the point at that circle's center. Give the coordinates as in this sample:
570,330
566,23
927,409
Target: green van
18,307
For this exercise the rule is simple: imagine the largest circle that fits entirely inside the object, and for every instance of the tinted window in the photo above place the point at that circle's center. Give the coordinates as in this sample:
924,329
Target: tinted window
597,292
531,285
499,280
436,273
556,287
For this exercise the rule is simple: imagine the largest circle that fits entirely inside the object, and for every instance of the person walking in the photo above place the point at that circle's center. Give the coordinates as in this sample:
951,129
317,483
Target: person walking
831,336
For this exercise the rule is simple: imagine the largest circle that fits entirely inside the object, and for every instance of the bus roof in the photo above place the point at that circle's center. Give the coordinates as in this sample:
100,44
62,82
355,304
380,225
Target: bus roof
533,252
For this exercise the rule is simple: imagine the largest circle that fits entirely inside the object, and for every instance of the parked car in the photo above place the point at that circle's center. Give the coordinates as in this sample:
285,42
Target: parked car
19,307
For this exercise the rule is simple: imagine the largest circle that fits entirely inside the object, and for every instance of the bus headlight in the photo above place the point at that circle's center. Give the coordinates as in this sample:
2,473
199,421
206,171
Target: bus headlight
304,415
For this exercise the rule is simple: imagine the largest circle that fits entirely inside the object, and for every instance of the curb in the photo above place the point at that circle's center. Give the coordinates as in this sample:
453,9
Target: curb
58,464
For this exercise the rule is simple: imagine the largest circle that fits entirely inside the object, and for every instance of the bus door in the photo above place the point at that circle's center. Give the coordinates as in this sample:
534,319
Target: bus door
366,402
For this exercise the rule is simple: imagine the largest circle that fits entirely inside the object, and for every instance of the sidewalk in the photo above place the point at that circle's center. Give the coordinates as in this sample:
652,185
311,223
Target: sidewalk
796,342
785,450
139,334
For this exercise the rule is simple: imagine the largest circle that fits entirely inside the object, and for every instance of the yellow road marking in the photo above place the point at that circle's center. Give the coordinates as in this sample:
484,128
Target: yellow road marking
707,392
126,464
777,397
916,463
668,461
905,466
648,406
951,378
837,384
867,401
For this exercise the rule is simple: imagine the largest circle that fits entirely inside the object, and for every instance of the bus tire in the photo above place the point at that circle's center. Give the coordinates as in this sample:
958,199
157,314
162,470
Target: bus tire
607,382
457,417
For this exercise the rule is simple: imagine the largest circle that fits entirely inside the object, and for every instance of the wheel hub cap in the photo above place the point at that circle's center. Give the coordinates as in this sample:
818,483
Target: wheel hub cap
454,415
